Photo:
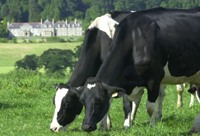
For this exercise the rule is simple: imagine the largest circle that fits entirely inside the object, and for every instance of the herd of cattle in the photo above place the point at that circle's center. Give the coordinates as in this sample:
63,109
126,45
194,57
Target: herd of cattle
125,52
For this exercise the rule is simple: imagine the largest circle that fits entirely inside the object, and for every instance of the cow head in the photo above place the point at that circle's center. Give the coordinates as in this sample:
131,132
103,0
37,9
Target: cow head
67,107
95,97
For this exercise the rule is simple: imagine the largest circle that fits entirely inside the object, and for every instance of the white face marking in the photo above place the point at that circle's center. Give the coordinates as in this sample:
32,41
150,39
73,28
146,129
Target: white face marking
105,23
89,86
60,94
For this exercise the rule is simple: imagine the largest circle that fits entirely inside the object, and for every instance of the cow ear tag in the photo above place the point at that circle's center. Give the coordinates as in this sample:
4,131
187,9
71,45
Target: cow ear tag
78,91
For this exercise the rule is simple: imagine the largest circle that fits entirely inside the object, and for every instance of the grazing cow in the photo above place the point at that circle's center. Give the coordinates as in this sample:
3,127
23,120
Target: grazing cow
96,44
160,44
193,90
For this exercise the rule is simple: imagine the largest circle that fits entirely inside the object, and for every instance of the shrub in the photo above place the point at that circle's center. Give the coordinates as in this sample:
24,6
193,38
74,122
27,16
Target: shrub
3,40
28,62
27,82
55,39
57,60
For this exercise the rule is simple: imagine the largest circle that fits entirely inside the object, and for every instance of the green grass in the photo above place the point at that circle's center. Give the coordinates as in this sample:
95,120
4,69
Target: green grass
10,52
26,109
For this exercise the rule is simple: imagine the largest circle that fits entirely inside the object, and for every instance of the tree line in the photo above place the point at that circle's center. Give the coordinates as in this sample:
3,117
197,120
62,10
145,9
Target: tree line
83,10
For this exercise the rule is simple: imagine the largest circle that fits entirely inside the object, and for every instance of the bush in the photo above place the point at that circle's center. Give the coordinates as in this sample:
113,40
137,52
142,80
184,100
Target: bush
27,82
28,62
54,39
57,60
3,40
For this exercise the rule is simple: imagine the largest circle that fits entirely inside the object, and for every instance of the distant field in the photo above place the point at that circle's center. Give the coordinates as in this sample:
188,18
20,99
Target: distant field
10,52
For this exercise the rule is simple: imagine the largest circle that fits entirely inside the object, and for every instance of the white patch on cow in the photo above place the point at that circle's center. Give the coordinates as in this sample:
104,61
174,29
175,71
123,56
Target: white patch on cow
169,79
179,89
129,119
60,94
192,100
127,122
90,86
106,24
133,112
197,96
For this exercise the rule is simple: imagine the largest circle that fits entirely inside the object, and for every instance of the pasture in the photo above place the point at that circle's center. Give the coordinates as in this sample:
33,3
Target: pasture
10,52
26,107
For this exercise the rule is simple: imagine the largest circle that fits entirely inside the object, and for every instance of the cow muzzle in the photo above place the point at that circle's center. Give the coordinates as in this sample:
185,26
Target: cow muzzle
89,128
56,127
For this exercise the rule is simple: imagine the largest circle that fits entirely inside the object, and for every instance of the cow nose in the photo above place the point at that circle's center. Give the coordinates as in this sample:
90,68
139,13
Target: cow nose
85,127
54,129
88,128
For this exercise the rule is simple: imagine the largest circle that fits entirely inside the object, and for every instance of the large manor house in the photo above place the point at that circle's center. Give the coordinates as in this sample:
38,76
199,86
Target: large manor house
46,28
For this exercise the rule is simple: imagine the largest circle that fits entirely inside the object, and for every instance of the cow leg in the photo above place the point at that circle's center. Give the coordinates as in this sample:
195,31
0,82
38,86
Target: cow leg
192,96
130,108
153,89
196,125
198,94
193,90
155,109
106,123
160,102
180,89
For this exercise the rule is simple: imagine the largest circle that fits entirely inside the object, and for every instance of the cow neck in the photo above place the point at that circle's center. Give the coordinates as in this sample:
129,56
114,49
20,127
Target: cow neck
113,67
89,60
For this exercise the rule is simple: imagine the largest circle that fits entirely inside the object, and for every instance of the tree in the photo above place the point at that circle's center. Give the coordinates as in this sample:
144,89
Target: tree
34,11
57,60
3,28
29,62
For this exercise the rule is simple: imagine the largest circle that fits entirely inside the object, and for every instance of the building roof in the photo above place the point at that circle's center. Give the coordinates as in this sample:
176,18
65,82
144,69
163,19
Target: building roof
61,24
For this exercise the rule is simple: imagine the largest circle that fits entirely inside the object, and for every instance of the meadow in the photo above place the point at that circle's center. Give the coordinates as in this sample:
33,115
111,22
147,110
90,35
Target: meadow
26,107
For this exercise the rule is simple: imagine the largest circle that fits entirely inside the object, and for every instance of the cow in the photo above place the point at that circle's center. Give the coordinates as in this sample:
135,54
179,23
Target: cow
96,44
161,45
194,90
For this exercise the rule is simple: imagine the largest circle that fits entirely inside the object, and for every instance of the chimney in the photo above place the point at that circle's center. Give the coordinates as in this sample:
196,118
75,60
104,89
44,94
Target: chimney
41,21
75,21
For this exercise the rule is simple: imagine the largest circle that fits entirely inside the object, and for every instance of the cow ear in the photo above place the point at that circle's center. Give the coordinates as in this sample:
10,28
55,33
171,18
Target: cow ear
114,91
77,90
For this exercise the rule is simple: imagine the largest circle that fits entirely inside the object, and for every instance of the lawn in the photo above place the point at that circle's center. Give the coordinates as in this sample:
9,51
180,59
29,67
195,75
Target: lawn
10,52
27,110
26,107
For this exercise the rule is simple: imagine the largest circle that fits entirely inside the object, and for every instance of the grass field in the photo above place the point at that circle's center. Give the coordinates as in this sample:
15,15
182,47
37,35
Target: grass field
26,107
10,52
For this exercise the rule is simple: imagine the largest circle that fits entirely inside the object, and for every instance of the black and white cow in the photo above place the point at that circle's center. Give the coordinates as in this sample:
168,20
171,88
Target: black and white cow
162,46
98,38
194,91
